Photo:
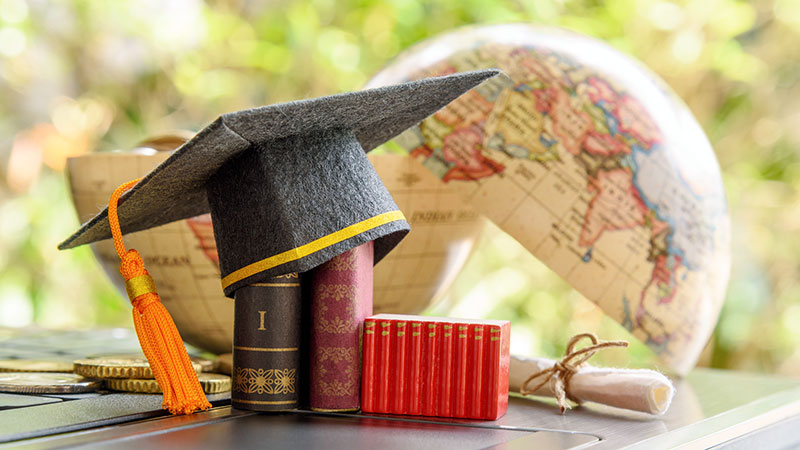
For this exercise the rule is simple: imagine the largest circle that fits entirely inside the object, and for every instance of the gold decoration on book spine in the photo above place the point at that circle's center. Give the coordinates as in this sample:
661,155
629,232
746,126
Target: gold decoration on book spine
335,325
337,292
264,381
338,389
346,262
337,354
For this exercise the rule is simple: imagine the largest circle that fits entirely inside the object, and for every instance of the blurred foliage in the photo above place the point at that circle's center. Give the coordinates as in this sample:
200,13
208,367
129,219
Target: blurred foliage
79,75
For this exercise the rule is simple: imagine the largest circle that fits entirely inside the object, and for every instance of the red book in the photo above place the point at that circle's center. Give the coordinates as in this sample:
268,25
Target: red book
462,366
368,370
476,376
430,375
383,351
341,298
446,369
399,374
415,369
462,363
497,394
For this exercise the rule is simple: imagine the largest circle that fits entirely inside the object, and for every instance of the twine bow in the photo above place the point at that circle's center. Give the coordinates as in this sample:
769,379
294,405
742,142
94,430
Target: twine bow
563,370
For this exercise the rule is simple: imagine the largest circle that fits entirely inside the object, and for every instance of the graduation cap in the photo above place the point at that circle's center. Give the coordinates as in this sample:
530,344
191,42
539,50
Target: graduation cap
288,186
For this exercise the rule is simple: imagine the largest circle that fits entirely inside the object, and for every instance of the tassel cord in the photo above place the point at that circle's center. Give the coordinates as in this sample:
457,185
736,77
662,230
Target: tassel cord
157,333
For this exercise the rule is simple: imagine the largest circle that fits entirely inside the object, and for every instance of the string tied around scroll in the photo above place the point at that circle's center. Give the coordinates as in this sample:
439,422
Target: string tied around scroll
562,371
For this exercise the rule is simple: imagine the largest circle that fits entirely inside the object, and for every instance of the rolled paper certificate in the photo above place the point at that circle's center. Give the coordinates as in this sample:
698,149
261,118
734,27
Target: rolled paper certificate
635,389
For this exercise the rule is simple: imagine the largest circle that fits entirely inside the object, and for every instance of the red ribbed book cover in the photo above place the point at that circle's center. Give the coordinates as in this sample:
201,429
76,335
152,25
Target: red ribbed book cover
444,342
400,365
433,366
430,375
341,299
415,369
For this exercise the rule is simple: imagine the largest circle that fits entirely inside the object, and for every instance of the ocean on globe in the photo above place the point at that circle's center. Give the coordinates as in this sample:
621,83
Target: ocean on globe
182,256
593,164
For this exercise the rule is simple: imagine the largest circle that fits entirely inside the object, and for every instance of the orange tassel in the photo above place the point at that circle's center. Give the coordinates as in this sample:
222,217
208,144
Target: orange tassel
158,336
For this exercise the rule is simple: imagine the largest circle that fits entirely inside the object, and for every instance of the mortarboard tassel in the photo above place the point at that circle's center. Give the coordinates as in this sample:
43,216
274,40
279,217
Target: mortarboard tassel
158,336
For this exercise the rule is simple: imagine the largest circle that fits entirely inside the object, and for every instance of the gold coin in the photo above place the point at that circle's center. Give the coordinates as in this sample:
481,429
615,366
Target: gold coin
206,365
225,363
35,365
117,367
212,383
46,383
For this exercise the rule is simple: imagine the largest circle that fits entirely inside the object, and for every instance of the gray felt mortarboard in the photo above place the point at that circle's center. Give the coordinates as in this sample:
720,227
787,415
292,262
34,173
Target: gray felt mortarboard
288,186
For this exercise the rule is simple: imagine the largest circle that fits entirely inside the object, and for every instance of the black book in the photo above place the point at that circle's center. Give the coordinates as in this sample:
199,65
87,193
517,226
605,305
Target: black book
268,373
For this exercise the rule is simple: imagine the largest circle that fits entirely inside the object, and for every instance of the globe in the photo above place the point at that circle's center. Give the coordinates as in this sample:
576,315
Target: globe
593,164
182,256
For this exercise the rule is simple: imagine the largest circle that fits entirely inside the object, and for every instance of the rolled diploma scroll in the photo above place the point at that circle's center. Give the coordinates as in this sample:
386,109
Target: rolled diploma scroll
635,389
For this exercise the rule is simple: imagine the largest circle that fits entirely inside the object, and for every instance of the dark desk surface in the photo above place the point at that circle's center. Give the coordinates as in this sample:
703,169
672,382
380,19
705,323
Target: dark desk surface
711,408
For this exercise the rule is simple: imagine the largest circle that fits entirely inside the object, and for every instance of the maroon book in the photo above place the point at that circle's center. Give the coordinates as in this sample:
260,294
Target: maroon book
340,301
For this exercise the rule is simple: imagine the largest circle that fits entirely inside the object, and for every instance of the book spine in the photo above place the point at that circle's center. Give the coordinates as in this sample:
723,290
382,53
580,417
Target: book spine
384,361
415,369
399,369
341,300
491,393
476,372
266,345
504,364
460,371
368,367
446,363
431,371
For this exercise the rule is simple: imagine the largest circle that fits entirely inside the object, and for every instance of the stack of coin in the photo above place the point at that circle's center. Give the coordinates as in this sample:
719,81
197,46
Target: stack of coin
212,383
133,374
43,376
46,383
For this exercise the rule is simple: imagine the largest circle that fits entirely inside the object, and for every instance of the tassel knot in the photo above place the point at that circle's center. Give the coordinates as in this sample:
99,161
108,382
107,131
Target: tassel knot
158,336
131,265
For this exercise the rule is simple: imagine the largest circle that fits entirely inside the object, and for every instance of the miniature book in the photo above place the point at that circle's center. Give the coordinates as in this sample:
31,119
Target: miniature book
341,299
267,345
432,366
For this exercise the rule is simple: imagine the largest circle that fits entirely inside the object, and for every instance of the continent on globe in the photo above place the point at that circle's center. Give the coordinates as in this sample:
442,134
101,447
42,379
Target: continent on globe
592,164
615,205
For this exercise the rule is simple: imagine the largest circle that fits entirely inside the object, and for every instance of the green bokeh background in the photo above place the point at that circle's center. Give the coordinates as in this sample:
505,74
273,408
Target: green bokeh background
81,75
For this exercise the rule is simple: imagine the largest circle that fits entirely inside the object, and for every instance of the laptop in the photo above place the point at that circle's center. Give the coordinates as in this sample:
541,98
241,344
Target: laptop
712,409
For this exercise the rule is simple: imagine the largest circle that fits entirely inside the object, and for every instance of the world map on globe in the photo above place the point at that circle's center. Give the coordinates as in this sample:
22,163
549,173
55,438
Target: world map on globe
592,164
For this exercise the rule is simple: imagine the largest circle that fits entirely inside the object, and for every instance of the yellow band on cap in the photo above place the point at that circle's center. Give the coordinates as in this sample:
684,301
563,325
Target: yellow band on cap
140,285
313,246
